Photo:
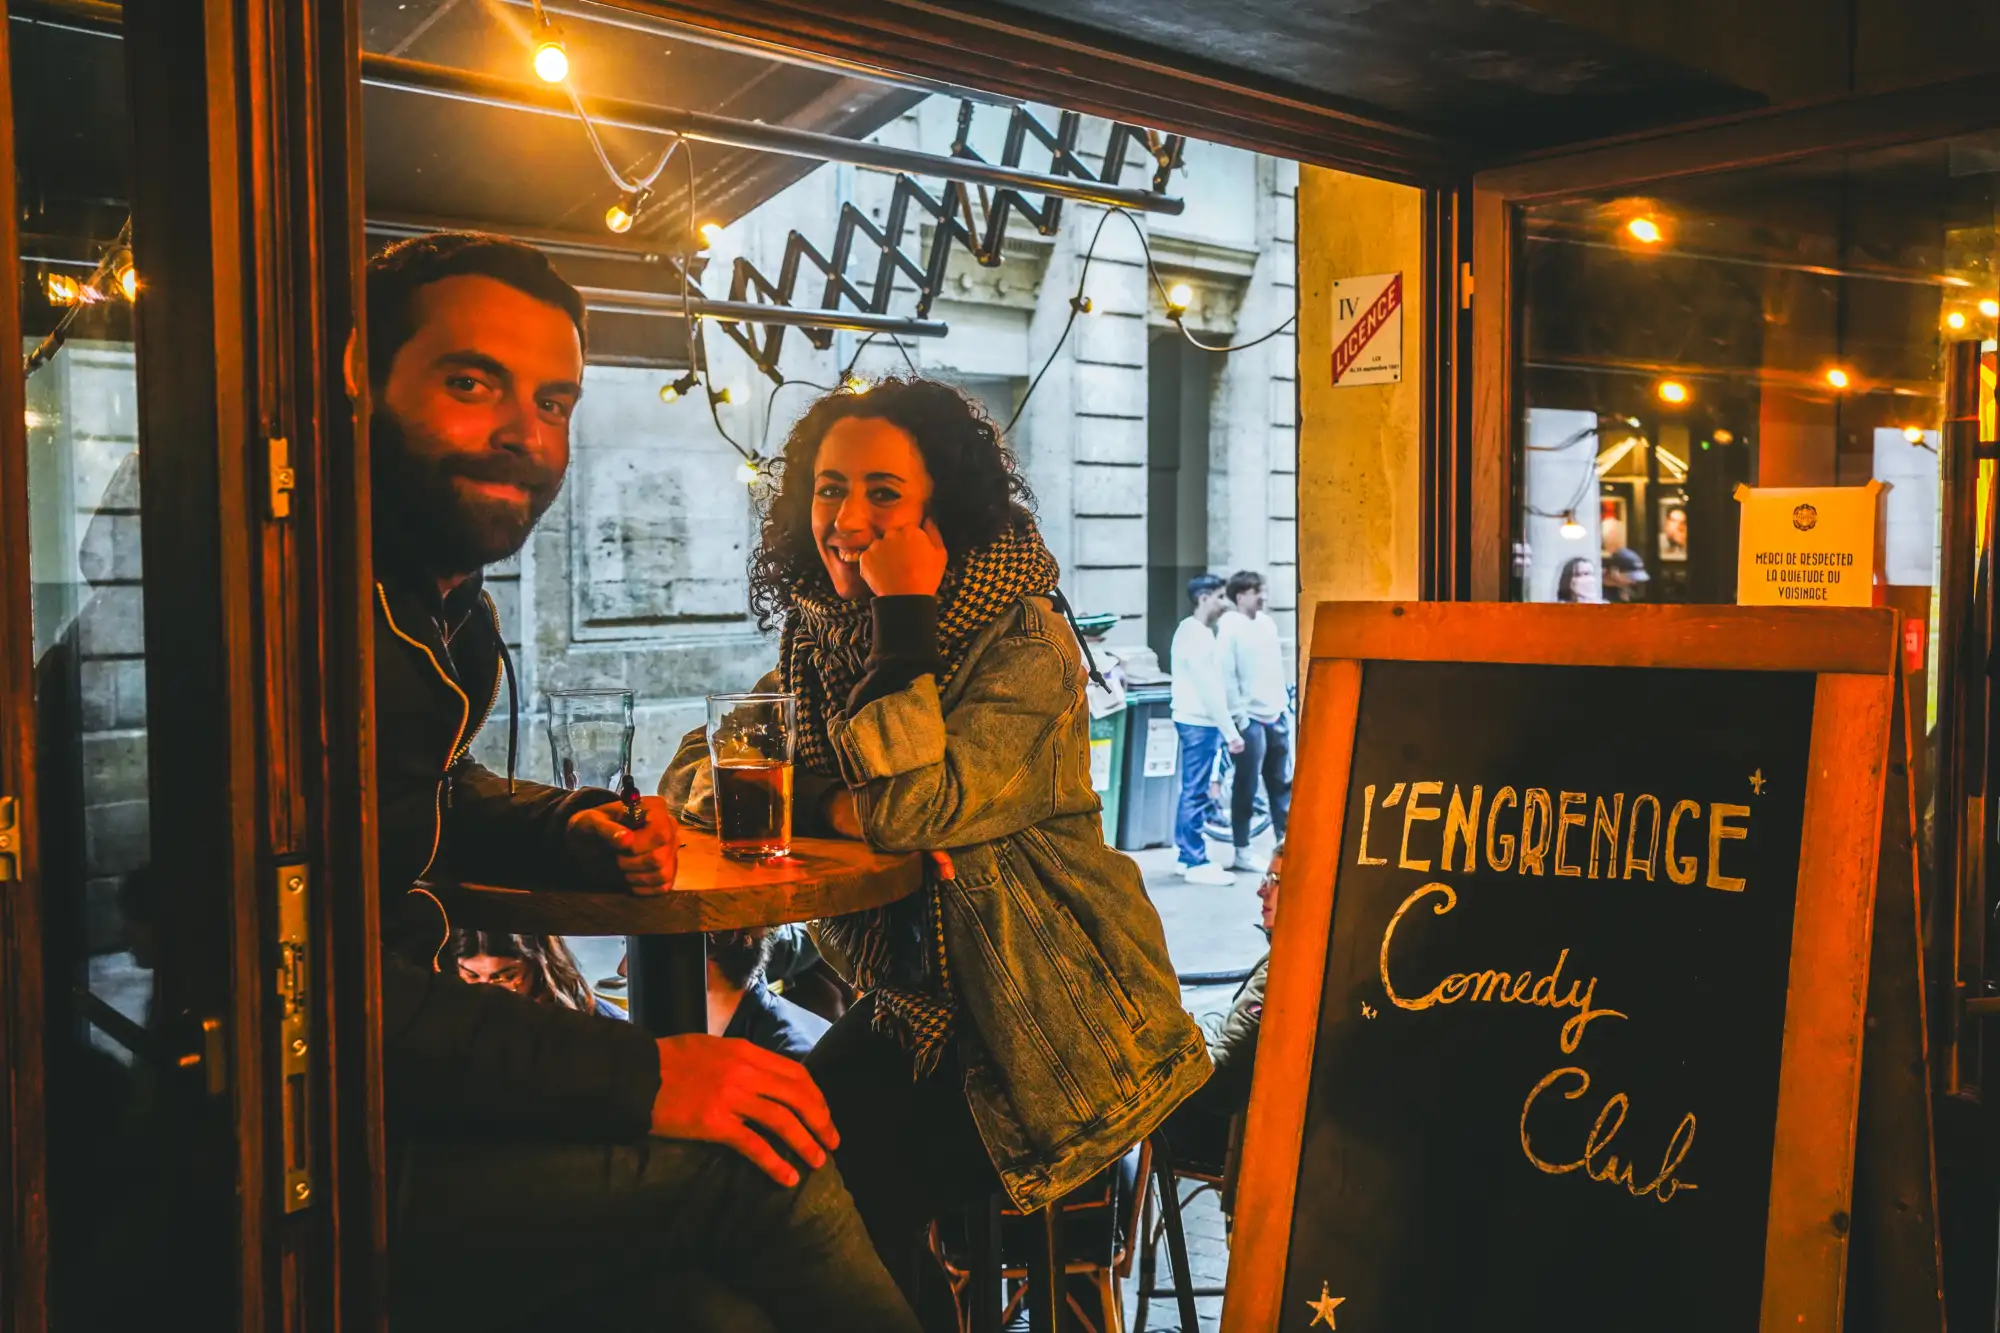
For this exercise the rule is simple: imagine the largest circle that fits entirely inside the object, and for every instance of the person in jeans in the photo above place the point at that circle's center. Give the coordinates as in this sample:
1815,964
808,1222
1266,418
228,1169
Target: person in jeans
1020,1025
1253,665
1202,717
567,1170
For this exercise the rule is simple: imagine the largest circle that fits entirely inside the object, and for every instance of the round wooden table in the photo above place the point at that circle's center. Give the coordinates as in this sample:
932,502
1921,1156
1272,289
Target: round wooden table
666,960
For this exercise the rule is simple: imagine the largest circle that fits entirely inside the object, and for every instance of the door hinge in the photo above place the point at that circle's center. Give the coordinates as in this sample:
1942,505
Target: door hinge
10,839
1465,285
282,477
295,1033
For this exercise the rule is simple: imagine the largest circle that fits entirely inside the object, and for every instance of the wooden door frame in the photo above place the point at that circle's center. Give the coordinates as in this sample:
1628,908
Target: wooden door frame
1761,138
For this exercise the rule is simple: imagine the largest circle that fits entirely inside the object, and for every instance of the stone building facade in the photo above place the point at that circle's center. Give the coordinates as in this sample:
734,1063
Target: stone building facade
1149,460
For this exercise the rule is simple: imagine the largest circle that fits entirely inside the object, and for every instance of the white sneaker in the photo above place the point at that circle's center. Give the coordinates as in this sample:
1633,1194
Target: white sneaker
1245,861
1207,873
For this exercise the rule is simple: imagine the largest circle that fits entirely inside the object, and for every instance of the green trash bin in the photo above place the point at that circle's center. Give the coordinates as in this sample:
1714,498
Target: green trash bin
1107,767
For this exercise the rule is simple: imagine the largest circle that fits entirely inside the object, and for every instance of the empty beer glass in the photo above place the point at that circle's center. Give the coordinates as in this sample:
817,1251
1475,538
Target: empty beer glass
750,742
590,737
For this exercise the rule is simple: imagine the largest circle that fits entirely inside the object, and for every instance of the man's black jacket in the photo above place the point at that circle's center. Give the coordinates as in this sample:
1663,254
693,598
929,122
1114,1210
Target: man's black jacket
460,1058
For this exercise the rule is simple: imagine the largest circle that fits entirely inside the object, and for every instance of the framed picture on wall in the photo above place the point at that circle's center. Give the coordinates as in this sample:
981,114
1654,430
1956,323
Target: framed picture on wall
1611,524
1673,528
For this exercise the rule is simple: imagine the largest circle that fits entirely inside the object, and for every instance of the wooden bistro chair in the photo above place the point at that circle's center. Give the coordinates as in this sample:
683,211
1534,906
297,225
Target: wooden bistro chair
1090,1234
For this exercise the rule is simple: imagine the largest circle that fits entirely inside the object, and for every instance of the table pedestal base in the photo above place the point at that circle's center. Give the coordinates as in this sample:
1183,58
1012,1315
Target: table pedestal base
668,976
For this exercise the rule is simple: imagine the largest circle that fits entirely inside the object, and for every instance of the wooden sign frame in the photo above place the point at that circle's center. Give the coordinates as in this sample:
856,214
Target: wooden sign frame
1852,652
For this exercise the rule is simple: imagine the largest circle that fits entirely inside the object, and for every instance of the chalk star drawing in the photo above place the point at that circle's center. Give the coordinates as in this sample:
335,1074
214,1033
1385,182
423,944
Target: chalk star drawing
1757,782
1323,1308
1367,1010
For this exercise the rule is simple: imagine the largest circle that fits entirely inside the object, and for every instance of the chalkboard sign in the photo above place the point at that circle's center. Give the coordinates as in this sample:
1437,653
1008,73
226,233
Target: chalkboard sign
1565,1015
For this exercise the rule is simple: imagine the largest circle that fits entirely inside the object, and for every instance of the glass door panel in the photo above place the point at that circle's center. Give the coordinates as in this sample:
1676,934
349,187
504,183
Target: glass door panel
127,1085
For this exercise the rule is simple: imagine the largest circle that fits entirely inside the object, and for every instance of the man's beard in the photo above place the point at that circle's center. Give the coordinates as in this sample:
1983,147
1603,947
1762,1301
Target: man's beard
422,517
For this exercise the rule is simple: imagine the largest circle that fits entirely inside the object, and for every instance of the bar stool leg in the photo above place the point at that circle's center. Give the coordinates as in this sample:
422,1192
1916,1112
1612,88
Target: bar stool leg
1047,1282
984,1294
669,983
1177,1252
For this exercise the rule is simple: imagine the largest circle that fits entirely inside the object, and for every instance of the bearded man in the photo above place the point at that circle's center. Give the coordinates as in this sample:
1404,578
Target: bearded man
550,1169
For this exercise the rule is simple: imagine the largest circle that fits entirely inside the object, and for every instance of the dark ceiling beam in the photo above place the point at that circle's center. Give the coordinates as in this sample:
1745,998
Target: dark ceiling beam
621,113
1085,70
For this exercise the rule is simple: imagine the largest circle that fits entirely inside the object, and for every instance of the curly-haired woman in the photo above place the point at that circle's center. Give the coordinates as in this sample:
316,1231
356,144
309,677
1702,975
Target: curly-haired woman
1021,1024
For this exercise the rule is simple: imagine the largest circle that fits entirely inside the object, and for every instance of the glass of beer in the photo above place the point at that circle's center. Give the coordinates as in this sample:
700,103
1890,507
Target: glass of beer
750,741
590,737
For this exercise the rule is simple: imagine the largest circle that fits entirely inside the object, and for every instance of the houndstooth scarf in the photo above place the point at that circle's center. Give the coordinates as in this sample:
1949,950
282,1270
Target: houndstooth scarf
897,952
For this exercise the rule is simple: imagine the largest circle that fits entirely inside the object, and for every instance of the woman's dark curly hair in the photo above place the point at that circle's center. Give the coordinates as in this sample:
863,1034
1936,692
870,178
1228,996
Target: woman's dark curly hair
976,494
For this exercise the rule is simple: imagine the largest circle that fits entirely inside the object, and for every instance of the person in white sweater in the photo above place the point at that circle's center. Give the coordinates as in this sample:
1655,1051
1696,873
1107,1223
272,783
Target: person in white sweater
1202,717
1253,668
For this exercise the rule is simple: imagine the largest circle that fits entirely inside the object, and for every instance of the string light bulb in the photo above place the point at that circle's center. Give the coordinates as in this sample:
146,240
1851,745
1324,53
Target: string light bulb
1644,230
1572,530
1838,378
1955,320
723,396
1179,297
1990,308
621,215
1673,391
127,278
680,388
711,232
1914,434
747,472
62,289
853,383
551,60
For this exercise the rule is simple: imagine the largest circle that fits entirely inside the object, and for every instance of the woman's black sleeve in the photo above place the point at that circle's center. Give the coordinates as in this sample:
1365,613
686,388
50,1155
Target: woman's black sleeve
906,647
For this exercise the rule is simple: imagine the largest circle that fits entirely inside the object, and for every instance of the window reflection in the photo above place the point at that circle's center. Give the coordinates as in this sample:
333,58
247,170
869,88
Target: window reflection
1780,326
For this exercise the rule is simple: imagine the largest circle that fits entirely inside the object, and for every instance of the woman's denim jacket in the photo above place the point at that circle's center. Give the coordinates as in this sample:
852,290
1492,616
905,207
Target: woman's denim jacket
1057,957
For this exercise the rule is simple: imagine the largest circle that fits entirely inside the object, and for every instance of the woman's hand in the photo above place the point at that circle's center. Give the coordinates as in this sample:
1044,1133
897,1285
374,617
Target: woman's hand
904,562
841,814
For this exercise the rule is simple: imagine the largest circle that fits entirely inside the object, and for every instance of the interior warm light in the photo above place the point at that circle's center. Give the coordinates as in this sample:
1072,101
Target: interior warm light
1837,378
62,289
128,280
1725,437
1572,530
711,232
1955,320
1179,296
551,61
1990,308
1673,391
1914,434
1644,230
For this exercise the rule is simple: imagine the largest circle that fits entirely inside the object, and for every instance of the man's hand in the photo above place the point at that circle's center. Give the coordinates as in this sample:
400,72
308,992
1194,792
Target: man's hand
1236,746
905,561
721,1090
641,857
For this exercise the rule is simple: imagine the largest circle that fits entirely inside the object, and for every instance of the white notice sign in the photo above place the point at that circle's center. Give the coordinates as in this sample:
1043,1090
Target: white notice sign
1163,747
1368,329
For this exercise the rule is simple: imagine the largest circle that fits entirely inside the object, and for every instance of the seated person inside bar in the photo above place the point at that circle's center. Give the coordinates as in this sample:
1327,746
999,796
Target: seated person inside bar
742,1004
570,1170
1205,1130
1020,1024
540,967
